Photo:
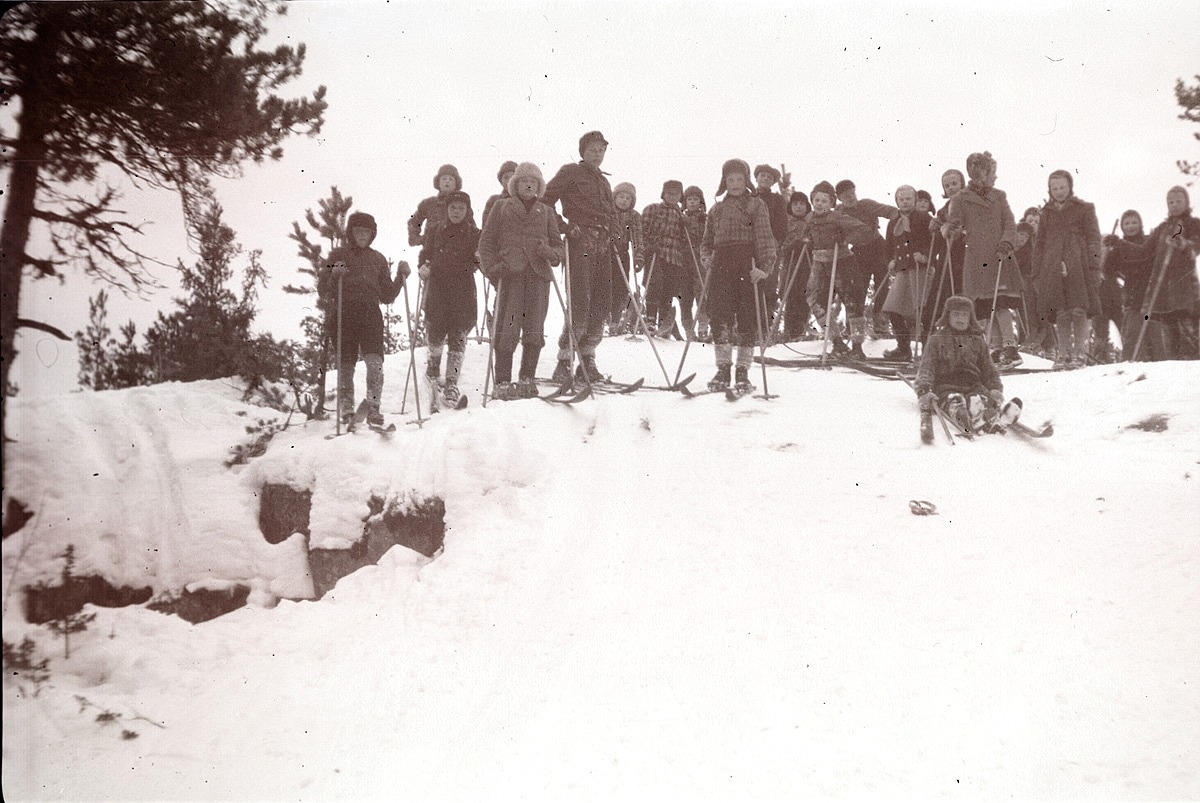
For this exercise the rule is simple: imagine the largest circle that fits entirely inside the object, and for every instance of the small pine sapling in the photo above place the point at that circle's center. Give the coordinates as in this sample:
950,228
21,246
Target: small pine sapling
19,664
77,621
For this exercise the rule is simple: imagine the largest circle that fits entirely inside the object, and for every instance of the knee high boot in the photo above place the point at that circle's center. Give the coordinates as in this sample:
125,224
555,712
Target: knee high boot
374,385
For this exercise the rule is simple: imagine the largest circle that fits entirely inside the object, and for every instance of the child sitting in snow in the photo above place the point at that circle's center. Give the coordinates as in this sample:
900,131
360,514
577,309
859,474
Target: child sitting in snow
957,374
447,263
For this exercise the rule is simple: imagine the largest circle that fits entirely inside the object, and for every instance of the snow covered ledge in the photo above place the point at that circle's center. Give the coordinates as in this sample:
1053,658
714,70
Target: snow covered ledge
139,482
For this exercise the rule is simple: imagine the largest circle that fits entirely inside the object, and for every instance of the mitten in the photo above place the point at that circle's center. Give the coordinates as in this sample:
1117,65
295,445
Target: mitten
1111,240
423,270
757,274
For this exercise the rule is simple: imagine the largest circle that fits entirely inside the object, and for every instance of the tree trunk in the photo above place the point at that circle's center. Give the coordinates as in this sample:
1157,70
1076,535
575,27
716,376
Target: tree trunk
22,192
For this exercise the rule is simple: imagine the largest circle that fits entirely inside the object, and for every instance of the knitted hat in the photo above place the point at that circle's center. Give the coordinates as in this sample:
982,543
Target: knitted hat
825,187
775,174
527,170
590,137
459,195
843,185
507,167
797,195
1063,174
362,219
734,166
671,184
694,192
626,187
448,170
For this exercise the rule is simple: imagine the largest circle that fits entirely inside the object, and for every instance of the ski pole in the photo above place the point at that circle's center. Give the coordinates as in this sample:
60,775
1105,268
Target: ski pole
339,356
987,337
411,374
829,304
637,308
762,349
783,302
412,351
1148,308
704,284
487,378
566,306
923,296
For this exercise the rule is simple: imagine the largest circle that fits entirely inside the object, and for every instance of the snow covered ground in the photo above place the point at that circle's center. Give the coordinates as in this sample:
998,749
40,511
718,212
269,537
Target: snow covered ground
641,597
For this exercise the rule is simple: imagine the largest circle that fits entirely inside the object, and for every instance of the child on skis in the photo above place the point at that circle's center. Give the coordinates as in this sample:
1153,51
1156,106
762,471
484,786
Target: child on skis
1172,295
1067,266
666,250
519,246
908,239
958,375
431,212
737,249
695,217
587,203
981,217
629,224
796,268
870,262
360,274
829,231
1134,271
447,265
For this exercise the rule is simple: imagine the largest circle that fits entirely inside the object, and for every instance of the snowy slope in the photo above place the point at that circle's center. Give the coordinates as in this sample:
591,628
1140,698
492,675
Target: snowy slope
640,597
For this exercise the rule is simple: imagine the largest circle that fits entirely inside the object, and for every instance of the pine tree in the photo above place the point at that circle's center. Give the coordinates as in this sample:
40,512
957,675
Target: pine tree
316,353
1188,98
169,94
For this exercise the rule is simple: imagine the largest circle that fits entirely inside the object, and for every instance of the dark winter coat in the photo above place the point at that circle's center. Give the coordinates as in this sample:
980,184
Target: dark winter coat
1180,290
491,202
869,212
585,195
629,223
987,220
776,211
957,363
431,213
516,239
694,223
910,280
367,281
1066,258
450,290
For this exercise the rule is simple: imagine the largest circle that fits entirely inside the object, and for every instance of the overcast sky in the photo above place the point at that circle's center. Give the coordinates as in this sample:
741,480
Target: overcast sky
884,94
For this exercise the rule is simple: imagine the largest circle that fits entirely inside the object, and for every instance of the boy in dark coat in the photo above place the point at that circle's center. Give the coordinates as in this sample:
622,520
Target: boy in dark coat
737,241
957,372
870,261
695,217
447,263
796,268
629,252
361,274
587,205
431,212
829,231
1172,297
519,246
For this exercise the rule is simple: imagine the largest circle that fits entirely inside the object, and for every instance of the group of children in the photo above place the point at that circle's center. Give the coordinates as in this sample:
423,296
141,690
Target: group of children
761,259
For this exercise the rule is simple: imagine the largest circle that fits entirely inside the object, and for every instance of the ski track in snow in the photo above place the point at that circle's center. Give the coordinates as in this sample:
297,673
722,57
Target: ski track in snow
640,596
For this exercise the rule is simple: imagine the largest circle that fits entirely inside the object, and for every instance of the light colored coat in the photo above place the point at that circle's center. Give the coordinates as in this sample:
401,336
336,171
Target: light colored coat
987,222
